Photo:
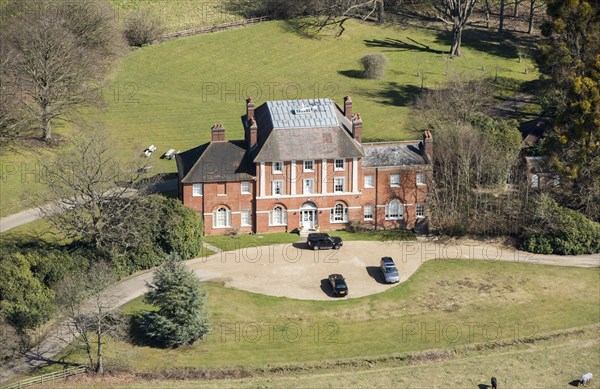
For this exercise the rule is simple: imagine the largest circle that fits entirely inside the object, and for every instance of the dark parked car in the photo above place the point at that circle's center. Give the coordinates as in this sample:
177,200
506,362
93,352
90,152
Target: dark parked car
389,270
319,241
338,284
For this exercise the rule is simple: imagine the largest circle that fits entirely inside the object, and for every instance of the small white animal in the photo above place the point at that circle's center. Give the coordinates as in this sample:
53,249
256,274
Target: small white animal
585,379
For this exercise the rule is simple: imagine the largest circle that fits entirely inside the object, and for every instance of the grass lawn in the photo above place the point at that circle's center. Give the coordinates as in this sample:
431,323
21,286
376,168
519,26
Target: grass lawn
444,304
230,243
170,94
551,363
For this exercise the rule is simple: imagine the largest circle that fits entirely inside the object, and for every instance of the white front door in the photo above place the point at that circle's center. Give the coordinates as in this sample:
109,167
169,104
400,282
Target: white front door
308,219
308,215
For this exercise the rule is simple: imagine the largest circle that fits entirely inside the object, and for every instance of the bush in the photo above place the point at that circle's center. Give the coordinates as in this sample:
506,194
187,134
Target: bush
182,230
559,230
142,28
374,66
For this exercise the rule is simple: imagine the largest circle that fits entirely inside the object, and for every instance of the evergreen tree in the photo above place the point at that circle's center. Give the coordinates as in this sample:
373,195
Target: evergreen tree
181,316
570,57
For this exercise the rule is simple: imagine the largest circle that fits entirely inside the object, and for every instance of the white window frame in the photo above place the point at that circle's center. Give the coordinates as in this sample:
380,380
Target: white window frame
244,190
535,181
420,178
304,186
222,218
339,214
278,216
420,211
246,218
276,184
368,212
275,170
336,167
312,166
369,181
197,190
336,181
394,180
394,210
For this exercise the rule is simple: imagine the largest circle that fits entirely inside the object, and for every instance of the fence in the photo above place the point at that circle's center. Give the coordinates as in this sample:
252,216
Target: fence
218,27
57,375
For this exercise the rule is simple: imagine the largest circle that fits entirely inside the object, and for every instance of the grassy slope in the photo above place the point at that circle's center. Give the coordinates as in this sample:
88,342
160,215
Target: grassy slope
446,297
177,15
550,363
162,94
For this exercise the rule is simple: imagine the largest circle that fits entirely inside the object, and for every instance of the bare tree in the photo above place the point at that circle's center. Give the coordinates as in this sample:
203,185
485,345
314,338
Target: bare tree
455,13
94,193
333,14
502,15
9,91
534,7
91,311
58,50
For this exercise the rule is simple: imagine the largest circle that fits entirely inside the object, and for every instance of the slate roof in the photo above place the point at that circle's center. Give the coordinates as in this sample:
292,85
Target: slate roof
215,162
383,154
315,134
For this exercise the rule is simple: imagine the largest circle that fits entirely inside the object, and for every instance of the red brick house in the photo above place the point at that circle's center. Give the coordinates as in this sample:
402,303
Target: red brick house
303,165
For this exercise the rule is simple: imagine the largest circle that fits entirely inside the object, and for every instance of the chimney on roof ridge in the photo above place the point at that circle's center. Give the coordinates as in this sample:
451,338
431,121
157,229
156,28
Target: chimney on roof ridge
253,133
357,127
428,146
249,108
217,133
348,107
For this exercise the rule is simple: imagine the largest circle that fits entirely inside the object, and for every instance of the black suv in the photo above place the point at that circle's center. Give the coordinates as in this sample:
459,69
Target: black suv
318,241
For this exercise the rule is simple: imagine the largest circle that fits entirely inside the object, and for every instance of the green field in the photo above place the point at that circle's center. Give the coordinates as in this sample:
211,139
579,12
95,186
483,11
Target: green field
545,363
444,304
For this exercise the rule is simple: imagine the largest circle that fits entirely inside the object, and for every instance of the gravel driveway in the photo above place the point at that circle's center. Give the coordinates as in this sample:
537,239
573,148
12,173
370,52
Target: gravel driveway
292,270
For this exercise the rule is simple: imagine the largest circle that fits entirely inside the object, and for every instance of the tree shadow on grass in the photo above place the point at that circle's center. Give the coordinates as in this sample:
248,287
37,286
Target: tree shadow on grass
392,44
504,45
395,94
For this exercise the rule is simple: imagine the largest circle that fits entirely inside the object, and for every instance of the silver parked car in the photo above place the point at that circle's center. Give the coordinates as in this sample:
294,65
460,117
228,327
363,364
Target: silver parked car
389,270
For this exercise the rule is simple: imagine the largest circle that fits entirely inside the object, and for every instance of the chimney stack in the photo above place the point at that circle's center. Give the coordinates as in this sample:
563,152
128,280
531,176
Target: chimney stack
428,146
253,136
348,107
357,127
249,108
218,133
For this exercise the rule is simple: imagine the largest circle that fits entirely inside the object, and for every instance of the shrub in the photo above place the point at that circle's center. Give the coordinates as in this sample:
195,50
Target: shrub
182,230
374,66
141,28
559,230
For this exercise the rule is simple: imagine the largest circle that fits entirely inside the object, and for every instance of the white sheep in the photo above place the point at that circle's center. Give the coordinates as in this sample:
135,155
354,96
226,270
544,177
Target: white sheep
585,379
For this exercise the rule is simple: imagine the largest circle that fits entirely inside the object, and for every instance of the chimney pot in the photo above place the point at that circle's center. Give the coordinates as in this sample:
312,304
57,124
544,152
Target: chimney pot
348,107
217,133
253,133
357,127
249,108
428,146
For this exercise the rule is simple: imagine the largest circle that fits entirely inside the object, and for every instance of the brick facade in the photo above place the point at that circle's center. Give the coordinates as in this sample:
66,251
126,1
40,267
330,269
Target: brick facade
394,197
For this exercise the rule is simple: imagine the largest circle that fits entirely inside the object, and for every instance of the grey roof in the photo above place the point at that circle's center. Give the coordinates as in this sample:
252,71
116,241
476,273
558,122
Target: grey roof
393,154
309,113
537,164
318,134
215,162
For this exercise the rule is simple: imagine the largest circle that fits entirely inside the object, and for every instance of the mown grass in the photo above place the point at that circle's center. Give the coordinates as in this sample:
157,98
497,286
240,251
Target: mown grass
549,363
235,242
444,304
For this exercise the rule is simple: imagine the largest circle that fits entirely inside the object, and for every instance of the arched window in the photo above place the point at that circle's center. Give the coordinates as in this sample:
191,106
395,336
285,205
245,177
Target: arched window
221,218
339,213
394,210
278,216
